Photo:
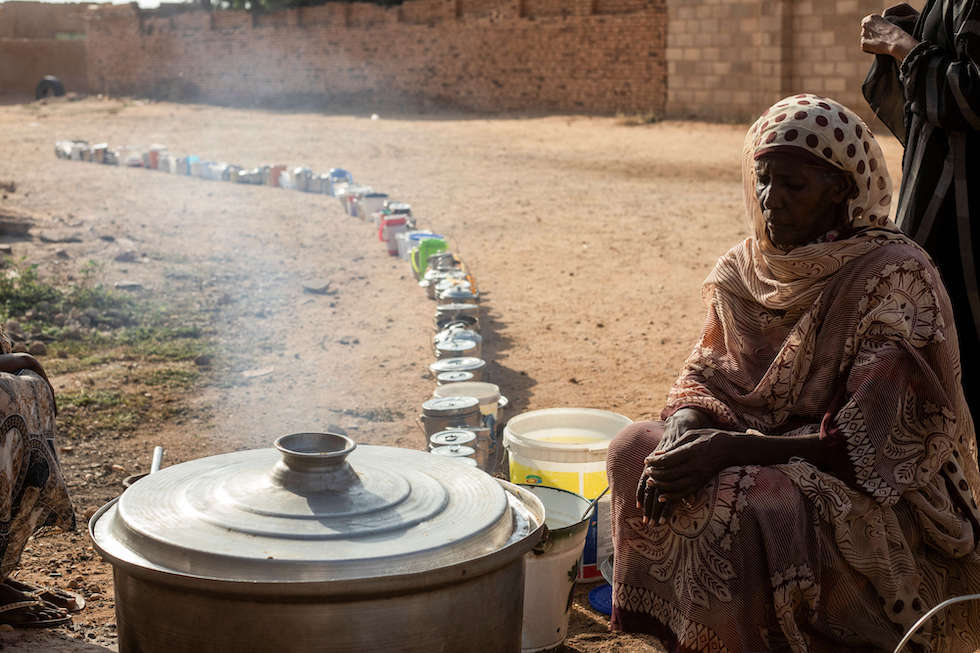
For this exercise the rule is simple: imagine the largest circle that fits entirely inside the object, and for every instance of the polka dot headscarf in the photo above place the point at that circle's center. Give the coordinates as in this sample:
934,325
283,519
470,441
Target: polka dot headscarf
832,132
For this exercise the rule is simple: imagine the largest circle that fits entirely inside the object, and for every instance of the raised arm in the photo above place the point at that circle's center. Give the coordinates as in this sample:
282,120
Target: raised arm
942,86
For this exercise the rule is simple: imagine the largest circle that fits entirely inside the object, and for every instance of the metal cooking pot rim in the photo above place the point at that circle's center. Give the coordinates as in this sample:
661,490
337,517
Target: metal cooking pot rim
348,515
529,518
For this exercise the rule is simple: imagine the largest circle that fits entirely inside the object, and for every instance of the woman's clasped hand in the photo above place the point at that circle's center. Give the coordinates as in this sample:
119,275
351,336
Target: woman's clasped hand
673,475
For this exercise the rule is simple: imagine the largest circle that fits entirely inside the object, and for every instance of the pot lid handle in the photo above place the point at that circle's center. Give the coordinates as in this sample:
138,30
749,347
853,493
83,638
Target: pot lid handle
314,462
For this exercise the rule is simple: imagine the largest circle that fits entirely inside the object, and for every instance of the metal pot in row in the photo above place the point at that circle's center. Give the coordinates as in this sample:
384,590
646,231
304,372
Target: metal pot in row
473,365
318,545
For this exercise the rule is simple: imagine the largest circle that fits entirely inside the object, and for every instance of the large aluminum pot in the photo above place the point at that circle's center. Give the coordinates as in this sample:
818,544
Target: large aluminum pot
316,546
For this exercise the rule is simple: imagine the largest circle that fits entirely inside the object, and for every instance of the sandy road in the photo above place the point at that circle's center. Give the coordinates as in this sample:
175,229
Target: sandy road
589,240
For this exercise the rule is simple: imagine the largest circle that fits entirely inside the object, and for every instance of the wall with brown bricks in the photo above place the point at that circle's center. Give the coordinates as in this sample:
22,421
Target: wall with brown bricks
484,55
38,39
23,62
711,59
25,20
732,59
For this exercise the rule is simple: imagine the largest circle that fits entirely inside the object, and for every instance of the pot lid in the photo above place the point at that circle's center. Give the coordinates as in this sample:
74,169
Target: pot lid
446,406
454,451
440,275
457,364
454,377
457,346
456,332
460,307
457,293
316,508
452,436
447,282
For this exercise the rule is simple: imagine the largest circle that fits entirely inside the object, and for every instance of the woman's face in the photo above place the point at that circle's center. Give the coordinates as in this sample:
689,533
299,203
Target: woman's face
800,201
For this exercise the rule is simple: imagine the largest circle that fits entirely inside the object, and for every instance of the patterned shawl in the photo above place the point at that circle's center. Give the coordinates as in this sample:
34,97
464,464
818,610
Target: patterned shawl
830,131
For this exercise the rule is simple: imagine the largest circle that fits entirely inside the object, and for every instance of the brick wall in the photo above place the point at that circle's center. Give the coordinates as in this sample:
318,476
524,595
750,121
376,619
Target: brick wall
25,20
38,39
732,59
712,59
484,55
23,62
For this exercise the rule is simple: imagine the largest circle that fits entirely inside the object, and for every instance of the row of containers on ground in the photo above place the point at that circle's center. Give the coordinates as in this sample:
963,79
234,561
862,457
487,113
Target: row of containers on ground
557,453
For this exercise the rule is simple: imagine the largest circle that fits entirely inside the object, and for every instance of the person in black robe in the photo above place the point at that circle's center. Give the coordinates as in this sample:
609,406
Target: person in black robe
925,87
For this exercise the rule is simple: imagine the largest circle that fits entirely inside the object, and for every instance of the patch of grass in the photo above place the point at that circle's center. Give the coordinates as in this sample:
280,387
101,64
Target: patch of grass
384,414
166,343
172,377
118,347
103,410
23,294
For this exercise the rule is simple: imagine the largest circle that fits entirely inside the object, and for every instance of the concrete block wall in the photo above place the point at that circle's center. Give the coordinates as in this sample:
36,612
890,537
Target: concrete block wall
722,57
825,49
482,55
732,59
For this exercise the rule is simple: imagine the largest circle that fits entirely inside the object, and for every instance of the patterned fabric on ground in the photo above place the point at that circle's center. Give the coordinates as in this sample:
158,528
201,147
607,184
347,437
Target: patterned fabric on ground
33,494
849,339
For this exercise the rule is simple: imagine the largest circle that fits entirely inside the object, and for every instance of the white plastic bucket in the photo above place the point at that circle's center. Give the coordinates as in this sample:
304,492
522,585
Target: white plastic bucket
551,567
566,448
370,204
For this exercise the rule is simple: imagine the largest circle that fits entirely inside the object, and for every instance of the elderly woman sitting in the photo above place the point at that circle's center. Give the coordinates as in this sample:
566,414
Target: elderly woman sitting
32,490
813,484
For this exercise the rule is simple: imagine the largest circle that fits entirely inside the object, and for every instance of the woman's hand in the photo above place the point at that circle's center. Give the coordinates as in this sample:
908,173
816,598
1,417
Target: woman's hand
879,36
682,421
675,426
684,469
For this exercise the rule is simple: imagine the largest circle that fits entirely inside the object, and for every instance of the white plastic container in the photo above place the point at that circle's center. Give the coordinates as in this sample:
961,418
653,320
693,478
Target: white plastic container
77,150
370,204
404,243
566,448
550,569
388,230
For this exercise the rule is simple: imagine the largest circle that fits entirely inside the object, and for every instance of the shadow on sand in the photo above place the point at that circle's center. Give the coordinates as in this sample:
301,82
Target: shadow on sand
514,384
49,641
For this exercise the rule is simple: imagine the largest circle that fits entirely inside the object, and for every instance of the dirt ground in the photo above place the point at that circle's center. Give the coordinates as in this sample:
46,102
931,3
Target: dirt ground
589,240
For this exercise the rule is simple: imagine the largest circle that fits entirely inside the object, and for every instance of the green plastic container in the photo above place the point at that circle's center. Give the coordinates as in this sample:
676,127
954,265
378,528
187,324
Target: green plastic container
421,254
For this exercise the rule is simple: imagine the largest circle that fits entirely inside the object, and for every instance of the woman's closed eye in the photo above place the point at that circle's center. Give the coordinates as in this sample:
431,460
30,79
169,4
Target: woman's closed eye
764,181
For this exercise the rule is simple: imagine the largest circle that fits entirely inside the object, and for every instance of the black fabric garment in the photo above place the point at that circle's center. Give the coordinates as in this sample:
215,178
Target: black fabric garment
943,244
939,202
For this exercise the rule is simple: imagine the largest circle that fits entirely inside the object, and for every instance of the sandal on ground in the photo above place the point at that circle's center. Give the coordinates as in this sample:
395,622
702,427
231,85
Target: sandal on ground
57,597
33,613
